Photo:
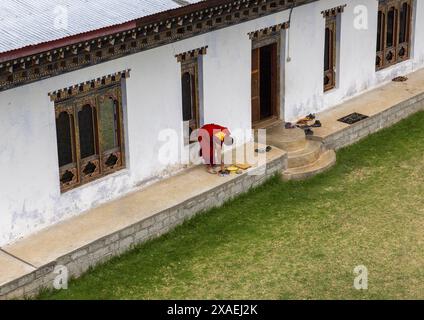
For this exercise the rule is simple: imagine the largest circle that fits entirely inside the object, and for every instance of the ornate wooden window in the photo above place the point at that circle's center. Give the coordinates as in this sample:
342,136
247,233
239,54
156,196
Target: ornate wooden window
393,32
90,135
190,93
330,53
330,45
190,63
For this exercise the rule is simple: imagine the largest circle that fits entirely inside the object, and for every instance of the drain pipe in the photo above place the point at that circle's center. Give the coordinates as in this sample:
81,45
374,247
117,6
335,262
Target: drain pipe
288,31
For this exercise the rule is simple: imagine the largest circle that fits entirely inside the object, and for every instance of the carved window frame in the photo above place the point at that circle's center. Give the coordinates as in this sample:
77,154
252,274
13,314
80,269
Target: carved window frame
387,56
100,161
191,67
191,64
331,25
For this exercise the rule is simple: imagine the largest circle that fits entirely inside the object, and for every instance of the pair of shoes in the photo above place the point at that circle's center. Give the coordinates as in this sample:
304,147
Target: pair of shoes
223,173
309,132
303,121
400,79
289,125
267,149
317,124
310,117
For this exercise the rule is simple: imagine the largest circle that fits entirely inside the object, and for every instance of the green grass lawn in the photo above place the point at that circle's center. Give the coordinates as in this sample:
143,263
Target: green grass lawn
297,240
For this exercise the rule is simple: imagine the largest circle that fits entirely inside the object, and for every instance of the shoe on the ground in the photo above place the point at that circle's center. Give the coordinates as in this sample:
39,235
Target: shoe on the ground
289,125
317,124
309,132
310,117
224,173
263,150
211,170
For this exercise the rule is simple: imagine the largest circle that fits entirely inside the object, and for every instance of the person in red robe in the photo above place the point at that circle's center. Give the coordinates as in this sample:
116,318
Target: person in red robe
211,138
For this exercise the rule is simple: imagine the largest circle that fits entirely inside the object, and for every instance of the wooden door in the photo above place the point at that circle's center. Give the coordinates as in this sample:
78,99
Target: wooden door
256,90
274,80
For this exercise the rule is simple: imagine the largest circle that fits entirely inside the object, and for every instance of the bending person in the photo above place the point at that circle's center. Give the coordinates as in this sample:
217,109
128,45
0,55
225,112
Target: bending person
211,138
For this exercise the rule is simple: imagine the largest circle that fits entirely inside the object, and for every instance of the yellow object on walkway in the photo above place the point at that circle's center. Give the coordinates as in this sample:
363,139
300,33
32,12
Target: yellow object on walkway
243,166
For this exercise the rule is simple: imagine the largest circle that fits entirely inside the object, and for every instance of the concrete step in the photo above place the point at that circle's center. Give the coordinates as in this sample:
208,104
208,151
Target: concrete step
290,140
325,161
306,156
315,138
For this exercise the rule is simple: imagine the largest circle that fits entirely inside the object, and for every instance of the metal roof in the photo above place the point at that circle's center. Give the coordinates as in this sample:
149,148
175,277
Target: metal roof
30,22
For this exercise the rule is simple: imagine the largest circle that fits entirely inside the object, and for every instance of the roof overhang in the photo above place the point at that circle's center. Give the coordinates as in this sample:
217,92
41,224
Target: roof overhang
47,59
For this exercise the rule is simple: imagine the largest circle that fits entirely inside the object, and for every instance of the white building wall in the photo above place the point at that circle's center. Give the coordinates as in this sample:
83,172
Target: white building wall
356,74
30,197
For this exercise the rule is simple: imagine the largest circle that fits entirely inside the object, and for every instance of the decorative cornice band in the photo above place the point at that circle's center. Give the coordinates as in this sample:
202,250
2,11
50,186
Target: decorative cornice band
333,11
87,86
267,31
166,29
191,54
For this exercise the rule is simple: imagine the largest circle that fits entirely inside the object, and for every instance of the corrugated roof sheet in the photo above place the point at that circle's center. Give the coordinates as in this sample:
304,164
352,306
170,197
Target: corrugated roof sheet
30,22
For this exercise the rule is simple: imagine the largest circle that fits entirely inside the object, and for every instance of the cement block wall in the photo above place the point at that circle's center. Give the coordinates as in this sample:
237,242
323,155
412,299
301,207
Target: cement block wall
101,250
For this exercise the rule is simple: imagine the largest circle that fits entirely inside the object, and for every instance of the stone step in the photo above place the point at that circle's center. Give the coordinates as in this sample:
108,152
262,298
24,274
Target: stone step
306,156
290,140
315,138
325,161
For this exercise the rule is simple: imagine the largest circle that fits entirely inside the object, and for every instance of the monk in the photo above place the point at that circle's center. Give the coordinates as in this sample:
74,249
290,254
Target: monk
211,138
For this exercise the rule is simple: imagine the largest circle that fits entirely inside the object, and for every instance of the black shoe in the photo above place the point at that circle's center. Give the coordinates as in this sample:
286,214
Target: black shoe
266,150
289,125
309,132
317,124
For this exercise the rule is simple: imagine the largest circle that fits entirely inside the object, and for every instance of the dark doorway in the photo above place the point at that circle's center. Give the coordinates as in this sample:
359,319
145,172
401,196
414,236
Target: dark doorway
264,83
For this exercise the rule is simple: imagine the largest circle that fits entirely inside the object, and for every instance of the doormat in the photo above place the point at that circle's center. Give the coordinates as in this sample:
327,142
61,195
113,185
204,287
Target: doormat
353,118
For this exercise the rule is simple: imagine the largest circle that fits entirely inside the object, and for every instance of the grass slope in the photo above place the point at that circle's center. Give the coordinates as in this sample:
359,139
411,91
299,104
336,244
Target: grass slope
298,240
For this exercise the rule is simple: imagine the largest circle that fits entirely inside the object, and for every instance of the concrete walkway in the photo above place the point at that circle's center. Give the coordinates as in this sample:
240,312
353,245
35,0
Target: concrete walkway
111,229
384,106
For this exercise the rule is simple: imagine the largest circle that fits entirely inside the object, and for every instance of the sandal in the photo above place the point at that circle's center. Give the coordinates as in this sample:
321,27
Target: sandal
310,117
211,170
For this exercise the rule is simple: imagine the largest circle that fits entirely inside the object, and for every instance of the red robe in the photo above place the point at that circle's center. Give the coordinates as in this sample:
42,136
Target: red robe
211,142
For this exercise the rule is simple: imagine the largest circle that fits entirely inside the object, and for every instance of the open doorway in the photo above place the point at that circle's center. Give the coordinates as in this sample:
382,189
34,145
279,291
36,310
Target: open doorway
265,76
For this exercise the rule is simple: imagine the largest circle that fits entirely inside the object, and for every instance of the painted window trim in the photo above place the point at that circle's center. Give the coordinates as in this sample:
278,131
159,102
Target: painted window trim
104,162
332,24
330,72
387,56
190,64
